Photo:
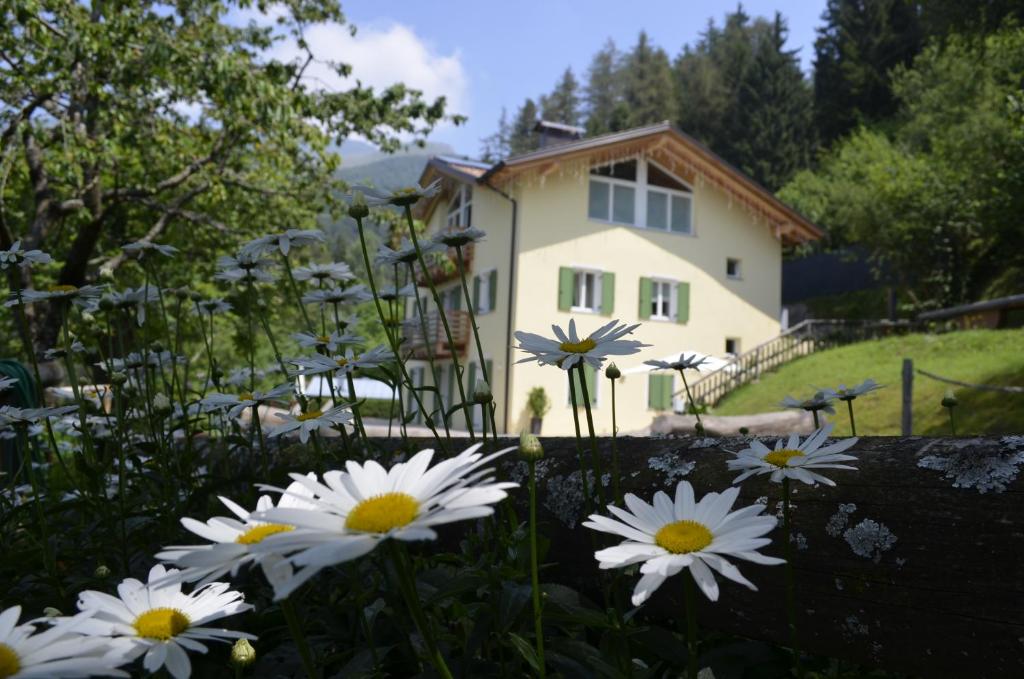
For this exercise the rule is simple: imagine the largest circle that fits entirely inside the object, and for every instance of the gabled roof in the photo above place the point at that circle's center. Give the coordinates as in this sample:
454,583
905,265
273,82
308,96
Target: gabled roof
661,140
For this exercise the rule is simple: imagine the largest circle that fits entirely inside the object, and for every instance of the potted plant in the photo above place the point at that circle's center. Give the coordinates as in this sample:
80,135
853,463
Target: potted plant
538,403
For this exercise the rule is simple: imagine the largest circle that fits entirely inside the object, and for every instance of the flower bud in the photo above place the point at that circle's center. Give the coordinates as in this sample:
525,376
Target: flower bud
949,399
242,653
182,294
196,297
51,612
482,392
530,447
612,372
118,378
357,209
101,571
157,347
162,405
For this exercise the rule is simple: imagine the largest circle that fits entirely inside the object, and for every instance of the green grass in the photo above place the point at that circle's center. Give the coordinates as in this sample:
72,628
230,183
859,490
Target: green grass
976,356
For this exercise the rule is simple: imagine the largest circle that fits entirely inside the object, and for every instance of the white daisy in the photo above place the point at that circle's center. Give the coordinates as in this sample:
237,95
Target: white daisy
358,508
235,404
672,535
408,195
10,415
80,296
389,292
57,353
319,364
844,393
406,252
233,539
133,299
59,651
160,621
212,306
141,248
335,271
308,340
355,294
7,382
241,377
820,401
14,255
568,350
794,460
244,267
684,363
457,238
311,421
282,242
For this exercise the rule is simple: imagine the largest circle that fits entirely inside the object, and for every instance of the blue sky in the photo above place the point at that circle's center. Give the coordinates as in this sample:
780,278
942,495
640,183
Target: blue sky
485,55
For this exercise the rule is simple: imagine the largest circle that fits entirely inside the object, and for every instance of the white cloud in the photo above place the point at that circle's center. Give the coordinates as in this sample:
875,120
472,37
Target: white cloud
381,56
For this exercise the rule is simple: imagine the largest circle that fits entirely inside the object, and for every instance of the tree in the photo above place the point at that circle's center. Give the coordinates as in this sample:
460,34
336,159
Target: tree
129,120
498,145
563,104
523,137
604,91
648,84
860,43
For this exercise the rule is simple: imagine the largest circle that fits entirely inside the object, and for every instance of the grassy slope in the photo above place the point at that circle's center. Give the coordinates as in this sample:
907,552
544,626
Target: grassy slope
974,356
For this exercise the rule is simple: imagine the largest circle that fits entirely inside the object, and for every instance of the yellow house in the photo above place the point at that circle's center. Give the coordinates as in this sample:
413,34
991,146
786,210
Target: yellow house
646,225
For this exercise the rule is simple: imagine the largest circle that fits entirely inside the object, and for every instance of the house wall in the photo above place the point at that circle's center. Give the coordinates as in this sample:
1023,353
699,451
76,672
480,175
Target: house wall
555,232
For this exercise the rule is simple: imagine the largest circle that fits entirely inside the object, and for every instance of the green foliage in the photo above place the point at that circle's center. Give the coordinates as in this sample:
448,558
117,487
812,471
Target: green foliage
647,88
563,104
522,137
537,402
605,110
973,356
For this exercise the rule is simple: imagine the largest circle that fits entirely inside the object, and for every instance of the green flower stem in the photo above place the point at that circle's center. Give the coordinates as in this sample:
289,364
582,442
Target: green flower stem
294,287
587,503
853,424
360,427
595,457
295,627
689,400
392,340
422,314
616,488
952,424
690,603
790,579
444,321
69,361
258,426
538,627
814,411
49,558
490,405
407,582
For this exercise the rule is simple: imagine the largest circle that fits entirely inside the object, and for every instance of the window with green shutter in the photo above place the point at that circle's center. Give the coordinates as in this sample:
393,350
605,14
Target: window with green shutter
476,294
607,293
591,376
565,278
682,302
645,299
659,391
492,290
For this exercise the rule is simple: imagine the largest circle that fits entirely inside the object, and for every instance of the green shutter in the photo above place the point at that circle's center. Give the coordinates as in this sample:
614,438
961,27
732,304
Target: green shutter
591,376
476,294
471,381
456,294
607,293
645,298
564,288
659,391
666,391
492,289
682,302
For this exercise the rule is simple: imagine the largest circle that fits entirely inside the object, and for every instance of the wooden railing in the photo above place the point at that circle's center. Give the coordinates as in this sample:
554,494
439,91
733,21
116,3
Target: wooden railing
421,345
802,339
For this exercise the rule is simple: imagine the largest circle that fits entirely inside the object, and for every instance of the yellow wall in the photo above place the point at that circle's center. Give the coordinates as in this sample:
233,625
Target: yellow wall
554,231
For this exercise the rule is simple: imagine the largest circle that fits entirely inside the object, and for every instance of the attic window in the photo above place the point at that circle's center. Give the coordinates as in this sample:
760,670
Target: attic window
460,207
625,171
664,204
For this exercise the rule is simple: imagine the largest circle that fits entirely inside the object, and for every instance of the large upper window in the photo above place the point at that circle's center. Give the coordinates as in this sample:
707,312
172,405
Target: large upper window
640,193
460,207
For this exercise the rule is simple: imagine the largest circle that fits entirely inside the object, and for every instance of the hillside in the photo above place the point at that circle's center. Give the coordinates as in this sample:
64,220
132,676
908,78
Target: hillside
975,356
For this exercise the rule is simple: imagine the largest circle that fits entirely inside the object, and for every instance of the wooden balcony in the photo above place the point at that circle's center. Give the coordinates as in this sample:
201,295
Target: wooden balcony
421,345
443,267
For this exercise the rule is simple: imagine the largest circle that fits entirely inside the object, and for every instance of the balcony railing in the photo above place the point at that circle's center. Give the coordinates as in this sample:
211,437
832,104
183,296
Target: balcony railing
433,341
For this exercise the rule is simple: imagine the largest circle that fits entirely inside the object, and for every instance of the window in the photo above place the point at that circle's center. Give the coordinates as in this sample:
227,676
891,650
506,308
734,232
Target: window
662,307
732,346
732,268
460,207
659,391
665,205
451,299
586,290
664,300
591,376
485,292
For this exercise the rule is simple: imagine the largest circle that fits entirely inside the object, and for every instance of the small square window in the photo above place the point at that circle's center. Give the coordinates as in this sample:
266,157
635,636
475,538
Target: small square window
732,346
732,268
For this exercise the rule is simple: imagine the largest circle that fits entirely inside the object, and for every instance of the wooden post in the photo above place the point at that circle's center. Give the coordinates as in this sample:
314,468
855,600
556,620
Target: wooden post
908,396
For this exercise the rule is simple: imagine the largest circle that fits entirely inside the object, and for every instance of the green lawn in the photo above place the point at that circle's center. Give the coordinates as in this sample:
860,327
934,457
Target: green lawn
974,356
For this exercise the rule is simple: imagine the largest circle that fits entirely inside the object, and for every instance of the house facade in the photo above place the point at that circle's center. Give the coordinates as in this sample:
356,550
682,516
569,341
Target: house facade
645,226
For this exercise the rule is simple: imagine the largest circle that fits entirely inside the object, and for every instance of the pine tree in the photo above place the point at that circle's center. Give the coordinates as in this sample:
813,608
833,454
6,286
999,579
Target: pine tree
523,138
563,104
498,145
648,84
604,92
860,43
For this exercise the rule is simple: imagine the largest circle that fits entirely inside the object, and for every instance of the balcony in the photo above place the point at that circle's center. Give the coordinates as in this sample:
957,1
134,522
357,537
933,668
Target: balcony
443,267
434,341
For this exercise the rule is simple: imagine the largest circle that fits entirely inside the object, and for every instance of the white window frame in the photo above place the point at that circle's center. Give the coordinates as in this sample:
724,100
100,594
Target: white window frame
641,189
598,278
738,276
460,208
484,289
673,287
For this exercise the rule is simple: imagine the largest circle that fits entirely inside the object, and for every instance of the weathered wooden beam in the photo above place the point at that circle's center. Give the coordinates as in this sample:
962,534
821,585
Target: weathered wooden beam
912,564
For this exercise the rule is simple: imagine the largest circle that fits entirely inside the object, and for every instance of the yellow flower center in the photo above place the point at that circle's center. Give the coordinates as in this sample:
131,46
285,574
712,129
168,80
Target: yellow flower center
258,533
342,362
578,347
381,513
683,537
161,623
245,396
780,458
10,664
311,415
63,288
323,339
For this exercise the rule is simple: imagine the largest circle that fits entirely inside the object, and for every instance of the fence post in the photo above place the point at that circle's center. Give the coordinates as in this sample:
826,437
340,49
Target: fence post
908,396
